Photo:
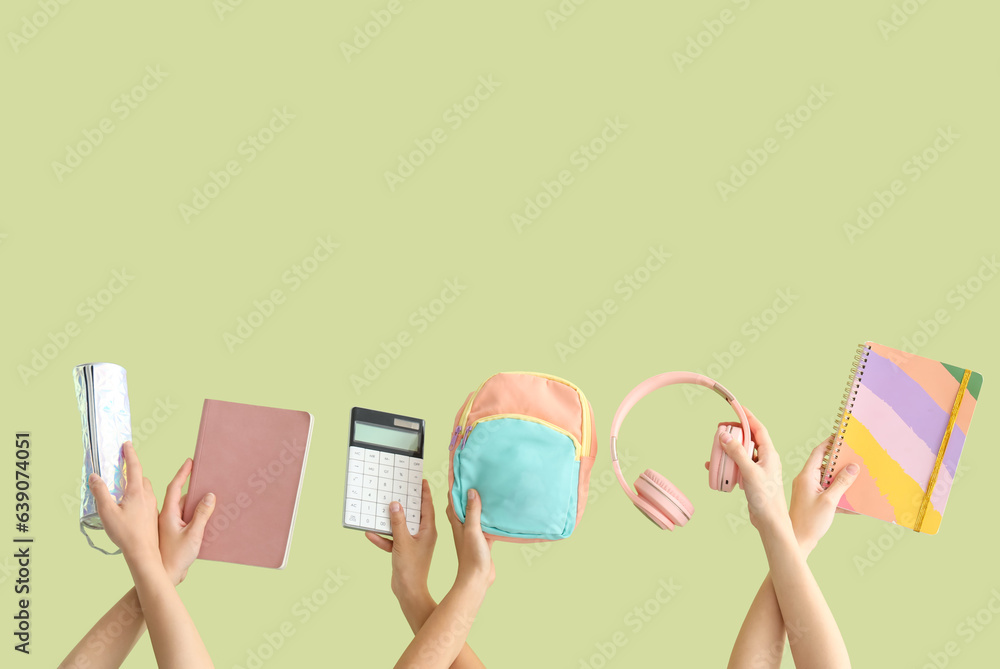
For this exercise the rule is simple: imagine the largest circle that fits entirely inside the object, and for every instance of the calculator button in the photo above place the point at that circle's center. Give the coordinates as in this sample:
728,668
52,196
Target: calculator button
402,461
399,497
354,491
356,453
382,525
412,516
368,508
371,456
385,471
369,482
381,510
383,497
368,494
352,518
385,484
353,506
413,490
386,458
354,479
371,469
415,476
399,487
412,527
400,474
368,521
417,463
413,503
355,466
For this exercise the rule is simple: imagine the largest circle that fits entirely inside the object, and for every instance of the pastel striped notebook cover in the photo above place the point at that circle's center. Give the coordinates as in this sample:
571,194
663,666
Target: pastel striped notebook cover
904,421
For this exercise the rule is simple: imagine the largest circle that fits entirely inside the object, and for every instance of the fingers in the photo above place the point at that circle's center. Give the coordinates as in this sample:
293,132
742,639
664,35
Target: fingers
815,460
734,449
201,515
473,509
133,470
172,500
397,520
380,541
757,430
844,479
102,496
426,507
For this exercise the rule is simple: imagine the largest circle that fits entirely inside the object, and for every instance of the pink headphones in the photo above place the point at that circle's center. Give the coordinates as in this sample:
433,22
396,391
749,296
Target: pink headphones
654,495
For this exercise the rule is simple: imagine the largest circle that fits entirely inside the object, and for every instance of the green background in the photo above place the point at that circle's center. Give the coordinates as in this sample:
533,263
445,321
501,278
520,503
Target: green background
655,185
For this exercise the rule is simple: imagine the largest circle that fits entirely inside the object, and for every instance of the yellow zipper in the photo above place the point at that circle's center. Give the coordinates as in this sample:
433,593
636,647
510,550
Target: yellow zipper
576,444
584,444
584,407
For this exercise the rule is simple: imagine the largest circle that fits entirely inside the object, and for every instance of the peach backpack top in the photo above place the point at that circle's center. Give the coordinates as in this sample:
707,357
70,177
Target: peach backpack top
526,442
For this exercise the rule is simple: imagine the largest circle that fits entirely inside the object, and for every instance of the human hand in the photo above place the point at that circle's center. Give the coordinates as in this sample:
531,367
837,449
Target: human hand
475,564
180,541
411,554
130,524
760,479
812,507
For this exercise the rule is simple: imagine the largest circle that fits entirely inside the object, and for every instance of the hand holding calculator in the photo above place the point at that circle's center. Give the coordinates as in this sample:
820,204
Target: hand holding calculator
384,464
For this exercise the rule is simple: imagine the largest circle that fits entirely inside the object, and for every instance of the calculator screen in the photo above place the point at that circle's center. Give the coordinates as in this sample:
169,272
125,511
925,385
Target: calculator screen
403,440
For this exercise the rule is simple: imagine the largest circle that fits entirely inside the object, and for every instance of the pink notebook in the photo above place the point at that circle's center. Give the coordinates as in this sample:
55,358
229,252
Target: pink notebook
254,459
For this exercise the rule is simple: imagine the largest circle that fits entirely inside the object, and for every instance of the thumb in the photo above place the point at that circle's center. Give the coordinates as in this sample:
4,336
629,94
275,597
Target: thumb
735,450
397,520
844,479
473,509
202,513
102,496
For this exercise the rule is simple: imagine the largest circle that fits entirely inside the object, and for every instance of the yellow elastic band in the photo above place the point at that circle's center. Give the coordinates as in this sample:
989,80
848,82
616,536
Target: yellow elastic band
940,456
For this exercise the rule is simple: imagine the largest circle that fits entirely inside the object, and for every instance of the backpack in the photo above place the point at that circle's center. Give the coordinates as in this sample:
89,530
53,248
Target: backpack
526,442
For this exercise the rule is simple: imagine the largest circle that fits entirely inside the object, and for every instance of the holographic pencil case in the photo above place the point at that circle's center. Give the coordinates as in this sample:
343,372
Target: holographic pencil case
106,422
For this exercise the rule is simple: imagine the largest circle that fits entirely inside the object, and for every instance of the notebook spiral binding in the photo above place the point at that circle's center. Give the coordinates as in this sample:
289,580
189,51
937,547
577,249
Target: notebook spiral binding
840,427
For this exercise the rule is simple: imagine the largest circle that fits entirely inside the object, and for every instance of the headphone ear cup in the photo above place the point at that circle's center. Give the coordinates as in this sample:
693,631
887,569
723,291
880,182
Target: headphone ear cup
664,497
723,474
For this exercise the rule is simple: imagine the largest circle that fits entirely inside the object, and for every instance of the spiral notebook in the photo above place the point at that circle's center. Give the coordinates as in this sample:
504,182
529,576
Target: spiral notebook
904,421
254,459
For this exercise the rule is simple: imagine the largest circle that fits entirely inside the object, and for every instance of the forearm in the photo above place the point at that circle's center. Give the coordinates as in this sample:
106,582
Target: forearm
176,642
103,648
440,639
417,608
761,641
817,641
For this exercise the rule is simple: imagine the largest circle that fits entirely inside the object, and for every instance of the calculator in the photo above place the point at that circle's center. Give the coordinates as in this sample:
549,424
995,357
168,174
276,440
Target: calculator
385,462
